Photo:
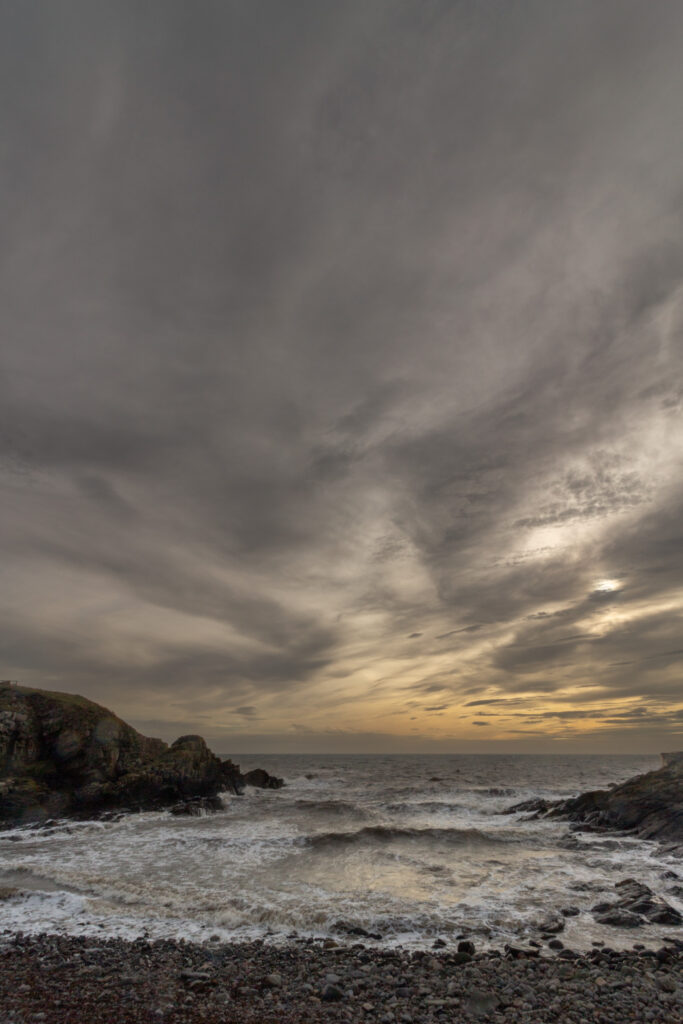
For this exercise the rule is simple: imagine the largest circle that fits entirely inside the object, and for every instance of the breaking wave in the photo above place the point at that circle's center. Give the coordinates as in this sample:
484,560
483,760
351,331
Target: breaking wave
387,834
333,807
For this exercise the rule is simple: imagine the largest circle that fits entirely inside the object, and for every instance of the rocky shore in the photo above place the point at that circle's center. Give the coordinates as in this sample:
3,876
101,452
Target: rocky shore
64,980
649,806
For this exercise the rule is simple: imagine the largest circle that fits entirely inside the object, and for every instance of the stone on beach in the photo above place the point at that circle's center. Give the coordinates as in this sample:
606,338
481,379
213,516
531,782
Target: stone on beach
75,979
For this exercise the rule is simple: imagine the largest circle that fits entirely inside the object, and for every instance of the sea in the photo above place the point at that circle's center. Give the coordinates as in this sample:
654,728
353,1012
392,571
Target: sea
384,850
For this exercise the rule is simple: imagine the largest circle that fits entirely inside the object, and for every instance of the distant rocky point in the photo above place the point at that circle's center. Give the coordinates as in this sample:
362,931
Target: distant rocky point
649,806
61,754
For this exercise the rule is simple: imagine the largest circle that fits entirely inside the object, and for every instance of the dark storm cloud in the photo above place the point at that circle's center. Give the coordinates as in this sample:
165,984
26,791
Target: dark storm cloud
327,322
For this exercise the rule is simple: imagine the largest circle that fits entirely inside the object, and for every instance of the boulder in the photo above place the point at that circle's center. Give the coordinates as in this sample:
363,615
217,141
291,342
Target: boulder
262,780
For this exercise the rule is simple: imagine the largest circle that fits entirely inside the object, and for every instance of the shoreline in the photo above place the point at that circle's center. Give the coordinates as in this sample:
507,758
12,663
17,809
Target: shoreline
69,980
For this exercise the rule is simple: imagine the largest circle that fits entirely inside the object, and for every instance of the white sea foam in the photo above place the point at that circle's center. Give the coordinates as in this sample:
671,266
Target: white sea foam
406,847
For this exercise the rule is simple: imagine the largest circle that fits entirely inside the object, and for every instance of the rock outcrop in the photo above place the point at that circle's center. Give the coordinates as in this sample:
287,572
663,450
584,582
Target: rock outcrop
636,905
649,806
61,754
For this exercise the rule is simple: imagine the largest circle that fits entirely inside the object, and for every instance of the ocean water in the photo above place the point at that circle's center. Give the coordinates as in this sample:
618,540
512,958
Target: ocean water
410,848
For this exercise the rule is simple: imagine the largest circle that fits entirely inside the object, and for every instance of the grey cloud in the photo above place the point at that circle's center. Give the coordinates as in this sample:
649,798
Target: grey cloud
319,324
604,488
247,711
495,700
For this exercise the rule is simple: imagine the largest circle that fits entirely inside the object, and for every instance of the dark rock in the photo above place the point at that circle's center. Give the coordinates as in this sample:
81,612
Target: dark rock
620,919
636,905
466,947
537,806
332,994
552,925
520,952
260,778
198,806
461,957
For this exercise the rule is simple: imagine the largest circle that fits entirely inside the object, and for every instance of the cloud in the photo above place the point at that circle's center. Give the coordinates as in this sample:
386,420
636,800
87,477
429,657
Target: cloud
294,361
495,700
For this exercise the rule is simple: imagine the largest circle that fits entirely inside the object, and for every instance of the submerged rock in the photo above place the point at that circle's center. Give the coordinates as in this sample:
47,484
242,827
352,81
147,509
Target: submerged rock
61,754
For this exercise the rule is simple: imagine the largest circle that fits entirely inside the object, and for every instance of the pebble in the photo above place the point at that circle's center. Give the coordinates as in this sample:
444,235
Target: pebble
42,978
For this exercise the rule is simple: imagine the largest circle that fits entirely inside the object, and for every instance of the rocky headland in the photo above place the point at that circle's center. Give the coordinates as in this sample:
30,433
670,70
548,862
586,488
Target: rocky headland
63,755
649,806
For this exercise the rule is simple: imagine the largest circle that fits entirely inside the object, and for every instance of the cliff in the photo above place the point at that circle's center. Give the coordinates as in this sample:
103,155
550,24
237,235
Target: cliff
61,754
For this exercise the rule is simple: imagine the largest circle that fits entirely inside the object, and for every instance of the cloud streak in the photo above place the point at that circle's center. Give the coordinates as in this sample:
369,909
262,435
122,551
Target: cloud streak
342,357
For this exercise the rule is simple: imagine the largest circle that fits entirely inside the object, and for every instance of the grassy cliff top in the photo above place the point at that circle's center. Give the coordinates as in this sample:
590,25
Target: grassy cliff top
67,700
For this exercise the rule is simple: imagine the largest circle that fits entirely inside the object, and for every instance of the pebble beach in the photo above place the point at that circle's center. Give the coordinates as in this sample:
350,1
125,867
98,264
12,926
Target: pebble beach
81,980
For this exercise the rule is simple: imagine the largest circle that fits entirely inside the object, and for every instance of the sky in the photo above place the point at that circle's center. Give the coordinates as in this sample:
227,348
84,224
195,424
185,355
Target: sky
341,369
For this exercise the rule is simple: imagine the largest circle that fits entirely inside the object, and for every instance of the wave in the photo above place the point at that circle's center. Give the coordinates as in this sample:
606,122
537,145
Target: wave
387,834
425,807
491,790
342,807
